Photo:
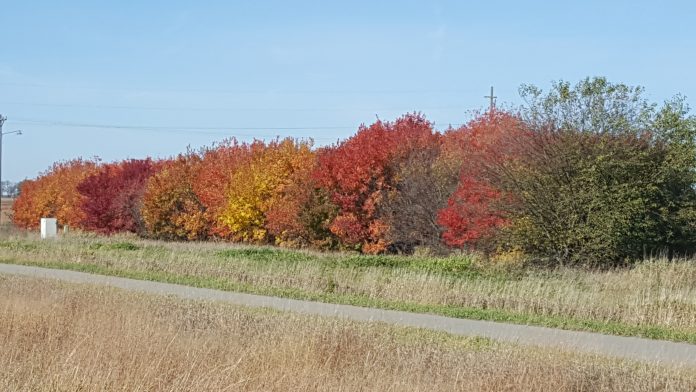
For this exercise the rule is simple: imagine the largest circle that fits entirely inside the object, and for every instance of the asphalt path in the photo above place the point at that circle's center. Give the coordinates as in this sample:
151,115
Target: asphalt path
645,350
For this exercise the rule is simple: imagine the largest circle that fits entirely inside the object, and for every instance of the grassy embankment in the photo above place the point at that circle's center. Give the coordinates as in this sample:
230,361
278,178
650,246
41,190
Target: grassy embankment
58,336
654,299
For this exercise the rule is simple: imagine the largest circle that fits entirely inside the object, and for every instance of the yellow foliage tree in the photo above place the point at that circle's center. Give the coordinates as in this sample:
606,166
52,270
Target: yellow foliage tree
259,183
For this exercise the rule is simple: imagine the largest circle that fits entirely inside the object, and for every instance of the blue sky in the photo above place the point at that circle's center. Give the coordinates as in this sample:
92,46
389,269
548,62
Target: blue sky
127,79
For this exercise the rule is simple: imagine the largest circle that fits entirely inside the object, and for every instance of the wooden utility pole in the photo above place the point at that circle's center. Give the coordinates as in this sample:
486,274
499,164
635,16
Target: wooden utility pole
2,121
492,105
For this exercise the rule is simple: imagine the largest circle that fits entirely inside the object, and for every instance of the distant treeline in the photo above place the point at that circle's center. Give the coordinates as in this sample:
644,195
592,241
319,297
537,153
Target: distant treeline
9,189
591,173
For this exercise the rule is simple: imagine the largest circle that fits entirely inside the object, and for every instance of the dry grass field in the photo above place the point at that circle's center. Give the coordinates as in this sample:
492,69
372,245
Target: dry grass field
655,299
6,210
60,337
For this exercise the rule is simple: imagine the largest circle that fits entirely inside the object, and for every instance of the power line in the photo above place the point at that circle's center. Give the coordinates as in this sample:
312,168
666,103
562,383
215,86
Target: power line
181,128
216,130
195,128
278,91
219,109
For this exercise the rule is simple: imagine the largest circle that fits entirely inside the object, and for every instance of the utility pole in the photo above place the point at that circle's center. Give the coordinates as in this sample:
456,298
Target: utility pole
492,98
18,132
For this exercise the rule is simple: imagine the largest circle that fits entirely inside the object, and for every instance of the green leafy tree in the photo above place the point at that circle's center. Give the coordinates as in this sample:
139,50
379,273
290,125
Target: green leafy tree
607,176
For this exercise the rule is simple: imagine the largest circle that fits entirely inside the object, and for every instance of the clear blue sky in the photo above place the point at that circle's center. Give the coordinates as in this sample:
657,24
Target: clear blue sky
166,74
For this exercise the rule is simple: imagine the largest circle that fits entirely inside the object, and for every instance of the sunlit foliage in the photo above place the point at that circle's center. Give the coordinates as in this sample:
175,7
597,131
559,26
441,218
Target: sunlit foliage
54,194
171,209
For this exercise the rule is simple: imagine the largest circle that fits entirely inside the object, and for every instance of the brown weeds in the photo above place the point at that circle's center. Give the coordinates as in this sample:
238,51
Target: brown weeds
654,293
60,337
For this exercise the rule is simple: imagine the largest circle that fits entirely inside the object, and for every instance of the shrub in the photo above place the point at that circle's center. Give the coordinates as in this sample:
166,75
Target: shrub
171,209
53,194
260,184
605,178
360,172
476,210
303,213
596,199
217,168
423,183
112,197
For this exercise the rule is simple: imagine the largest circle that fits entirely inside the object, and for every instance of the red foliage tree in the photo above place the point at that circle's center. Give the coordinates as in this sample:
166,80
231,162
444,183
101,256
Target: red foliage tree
476,209
112,197
471,213
359,173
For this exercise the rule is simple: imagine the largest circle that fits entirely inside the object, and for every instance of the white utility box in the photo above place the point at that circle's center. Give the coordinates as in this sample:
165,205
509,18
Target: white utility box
49,228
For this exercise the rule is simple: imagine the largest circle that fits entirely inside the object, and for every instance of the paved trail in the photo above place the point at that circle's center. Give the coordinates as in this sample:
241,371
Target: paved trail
682,354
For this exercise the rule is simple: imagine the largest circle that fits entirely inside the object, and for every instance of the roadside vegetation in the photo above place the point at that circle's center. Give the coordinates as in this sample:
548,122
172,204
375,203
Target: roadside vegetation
59,336
592,174
576,210
7,204
654,299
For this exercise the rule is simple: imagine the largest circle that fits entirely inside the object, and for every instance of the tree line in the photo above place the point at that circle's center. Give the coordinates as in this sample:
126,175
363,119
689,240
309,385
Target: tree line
591,173
9,189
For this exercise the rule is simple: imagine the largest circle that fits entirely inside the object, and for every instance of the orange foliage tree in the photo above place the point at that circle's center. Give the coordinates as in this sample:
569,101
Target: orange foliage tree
303,212
53,194
216,170
260,183
171,209
359,173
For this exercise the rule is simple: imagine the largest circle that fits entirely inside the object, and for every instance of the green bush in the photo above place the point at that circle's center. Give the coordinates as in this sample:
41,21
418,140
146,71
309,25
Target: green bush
606,178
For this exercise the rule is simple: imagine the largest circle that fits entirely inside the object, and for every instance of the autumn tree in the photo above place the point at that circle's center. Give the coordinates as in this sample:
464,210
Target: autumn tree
24,208
53,194
218,166
360,172
478,206
112,197
171,209
303,212
260,183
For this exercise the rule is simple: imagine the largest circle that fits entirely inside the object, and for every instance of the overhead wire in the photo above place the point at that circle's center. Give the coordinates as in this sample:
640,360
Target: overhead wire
195,129
220,109
250,91
216,131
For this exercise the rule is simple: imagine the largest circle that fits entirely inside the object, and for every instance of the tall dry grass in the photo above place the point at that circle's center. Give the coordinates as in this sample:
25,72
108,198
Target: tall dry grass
6,211
653,293
60,337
